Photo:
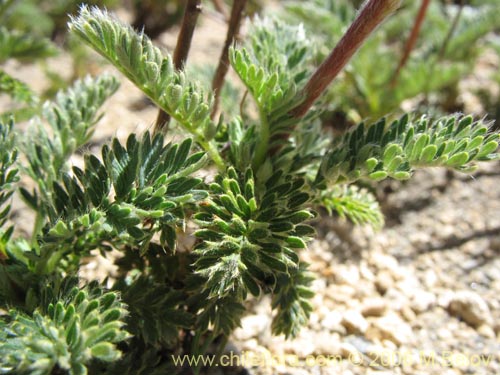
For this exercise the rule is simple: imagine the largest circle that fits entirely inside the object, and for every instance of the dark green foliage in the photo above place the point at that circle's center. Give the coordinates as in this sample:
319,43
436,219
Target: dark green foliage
138,361
378,151
189,251
71,117
23,46
8,178
358,205
151,184
291,300
77,326
250,241
156,311
440,59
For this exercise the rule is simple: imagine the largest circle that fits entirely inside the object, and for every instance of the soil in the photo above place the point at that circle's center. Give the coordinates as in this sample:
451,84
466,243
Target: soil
421,296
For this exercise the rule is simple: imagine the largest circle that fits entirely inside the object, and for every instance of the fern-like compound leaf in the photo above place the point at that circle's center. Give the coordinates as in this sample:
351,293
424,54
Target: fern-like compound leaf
72,118
380,151
135,56
250,239
273,65
76,328
152,185
291,300
16,89
8,178
23,46
353,203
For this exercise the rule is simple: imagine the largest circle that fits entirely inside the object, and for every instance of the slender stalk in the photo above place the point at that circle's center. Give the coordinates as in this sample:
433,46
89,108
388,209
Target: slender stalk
262,147
373,13
412,40
212,151
37,228
201,350
444,46
219,7
193,9
451,31
223,66
242,102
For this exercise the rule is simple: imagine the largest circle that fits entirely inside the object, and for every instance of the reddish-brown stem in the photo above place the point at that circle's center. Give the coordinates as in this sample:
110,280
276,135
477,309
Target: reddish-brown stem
371,15
412,40
223,66
193,9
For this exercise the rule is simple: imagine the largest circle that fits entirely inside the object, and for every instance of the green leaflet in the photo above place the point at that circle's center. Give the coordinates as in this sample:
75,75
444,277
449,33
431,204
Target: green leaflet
249,238
273,65
23,46
380,151
79,326
8,178
291,300
358,205
72,117
151,183
143,63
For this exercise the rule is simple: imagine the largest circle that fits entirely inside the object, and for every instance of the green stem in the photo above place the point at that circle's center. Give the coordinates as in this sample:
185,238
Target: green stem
208,146
37,227
442,50
203,350
222,346
451,31
47,263
211,149
262,147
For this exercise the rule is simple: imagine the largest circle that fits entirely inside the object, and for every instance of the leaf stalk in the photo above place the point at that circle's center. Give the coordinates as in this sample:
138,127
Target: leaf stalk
373,13
191,13
223,66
